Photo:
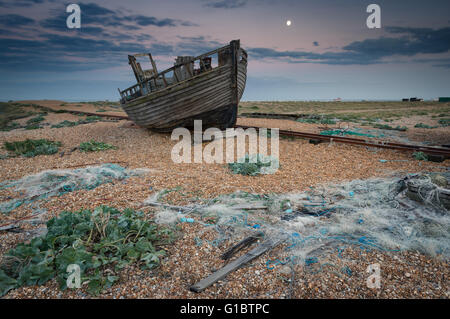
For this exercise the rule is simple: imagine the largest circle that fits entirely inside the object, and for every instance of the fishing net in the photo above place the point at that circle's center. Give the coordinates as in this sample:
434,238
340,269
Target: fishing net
374,214
371,214
61,181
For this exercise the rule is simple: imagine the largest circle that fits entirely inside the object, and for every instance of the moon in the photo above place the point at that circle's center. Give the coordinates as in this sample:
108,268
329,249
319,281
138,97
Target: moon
288,23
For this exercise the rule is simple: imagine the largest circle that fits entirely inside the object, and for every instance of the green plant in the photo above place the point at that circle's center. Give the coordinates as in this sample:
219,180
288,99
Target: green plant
327,121
64,123
421,125
420,156
87,120
36,119
31,148
250,165
307,120
93,146
388,127
10,126
10,112
100,242
33,127
444,122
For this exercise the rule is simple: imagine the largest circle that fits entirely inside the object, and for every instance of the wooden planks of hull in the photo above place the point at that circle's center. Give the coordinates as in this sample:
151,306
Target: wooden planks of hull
209,96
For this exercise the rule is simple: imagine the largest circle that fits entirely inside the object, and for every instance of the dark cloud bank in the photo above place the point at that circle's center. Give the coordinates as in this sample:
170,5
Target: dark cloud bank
107,36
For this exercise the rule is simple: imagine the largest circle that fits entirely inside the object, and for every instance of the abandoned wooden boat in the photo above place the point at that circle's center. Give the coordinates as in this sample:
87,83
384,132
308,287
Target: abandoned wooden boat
207,87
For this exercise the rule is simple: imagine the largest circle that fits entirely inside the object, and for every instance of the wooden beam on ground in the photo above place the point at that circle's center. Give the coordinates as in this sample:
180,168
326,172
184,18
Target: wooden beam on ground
249,207
265,246
241,245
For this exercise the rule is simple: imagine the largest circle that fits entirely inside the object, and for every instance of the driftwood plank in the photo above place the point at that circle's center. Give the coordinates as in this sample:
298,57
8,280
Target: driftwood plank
241,245
249,207
239,262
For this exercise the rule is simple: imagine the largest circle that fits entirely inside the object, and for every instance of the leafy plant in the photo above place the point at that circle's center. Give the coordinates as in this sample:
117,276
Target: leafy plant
444,122
36,119
421,125
100,242
9,112
327,121
87,120
420,156
388,127
31,148
250,165
10,126
307,120
33,127
93,146
64,123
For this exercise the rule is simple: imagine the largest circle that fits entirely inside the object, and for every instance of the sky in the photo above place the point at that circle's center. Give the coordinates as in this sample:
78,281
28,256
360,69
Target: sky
327,52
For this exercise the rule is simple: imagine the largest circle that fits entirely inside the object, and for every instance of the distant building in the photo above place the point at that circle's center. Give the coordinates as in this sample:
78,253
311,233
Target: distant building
444,99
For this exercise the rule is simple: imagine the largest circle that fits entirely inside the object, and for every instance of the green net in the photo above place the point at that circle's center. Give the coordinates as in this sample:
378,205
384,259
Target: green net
61,181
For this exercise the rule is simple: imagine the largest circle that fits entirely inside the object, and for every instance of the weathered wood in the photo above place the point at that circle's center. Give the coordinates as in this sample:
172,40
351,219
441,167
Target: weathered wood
241,245
249,207
189,95
239,262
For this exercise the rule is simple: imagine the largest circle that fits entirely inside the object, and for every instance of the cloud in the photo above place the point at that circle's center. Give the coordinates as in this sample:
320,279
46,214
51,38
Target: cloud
146,21
96,15
227,4
19,3
411,41
54,52
195,45
14,20
414,41
90,48
105,39
92,9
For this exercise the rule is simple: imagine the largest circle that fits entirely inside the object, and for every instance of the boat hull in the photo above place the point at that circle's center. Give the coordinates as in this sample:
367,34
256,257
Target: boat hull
211,97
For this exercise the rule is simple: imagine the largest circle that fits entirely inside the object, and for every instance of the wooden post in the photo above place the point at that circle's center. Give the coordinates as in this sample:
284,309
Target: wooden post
164,80
175,76
234,48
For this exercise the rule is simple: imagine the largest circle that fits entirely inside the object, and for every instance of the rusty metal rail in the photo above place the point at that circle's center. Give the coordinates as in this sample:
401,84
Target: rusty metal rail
338,139
348,140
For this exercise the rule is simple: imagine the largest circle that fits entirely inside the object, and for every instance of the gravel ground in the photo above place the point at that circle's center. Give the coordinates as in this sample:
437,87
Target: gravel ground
404,274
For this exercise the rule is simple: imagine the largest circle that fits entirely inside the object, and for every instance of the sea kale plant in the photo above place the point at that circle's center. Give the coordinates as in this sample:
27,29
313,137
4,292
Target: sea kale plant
253,165
100,242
